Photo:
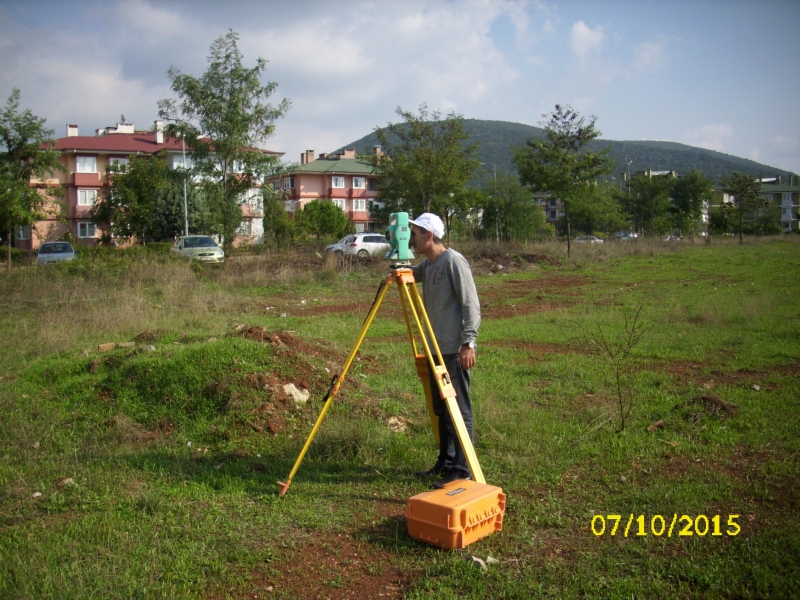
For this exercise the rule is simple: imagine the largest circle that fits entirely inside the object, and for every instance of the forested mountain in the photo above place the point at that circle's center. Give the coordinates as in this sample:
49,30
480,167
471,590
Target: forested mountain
497,138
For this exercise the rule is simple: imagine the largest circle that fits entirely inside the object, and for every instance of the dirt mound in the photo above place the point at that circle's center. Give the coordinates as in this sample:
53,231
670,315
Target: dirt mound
706,405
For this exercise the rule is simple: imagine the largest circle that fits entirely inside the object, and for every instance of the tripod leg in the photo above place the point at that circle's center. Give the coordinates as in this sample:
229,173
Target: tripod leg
422,371
283,487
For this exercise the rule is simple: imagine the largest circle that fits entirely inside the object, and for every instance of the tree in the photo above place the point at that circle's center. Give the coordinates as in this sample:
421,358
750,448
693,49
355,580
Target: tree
131,195
508,210
600,209
278,226
744,190
426,161
223,116
559,163
690,194
323,217
27,153
649,203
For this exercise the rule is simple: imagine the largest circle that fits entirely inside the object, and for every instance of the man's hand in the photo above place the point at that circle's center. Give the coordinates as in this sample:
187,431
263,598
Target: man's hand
466,356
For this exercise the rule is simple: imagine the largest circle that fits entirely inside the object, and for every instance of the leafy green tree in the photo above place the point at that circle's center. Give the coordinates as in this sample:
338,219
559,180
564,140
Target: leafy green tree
323,217
426,161
560,163
600,210
690,194
649,203
129,200
278,227
744,190
508,210
27,153
223,116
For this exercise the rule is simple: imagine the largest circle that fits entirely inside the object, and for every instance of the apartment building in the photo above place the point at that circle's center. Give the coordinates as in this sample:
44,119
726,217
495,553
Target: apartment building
85,159
350,183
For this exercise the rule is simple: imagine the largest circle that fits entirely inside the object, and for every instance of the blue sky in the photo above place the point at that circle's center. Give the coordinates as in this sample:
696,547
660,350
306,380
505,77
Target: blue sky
720,74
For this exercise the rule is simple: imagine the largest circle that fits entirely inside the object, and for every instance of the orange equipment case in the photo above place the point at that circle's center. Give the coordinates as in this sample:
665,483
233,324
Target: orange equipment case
460,513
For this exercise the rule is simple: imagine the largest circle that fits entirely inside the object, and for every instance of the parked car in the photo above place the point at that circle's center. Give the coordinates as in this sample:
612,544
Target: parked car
672,238
360,244
199,247
627,237
588,239
54,252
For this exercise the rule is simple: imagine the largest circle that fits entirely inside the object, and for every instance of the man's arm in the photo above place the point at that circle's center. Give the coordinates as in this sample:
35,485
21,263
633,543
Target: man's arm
467,293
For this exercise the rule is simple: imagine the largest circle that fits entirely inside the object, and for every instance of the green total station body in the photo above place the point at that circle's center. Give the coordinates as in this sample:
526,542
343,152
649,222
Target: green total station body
399,234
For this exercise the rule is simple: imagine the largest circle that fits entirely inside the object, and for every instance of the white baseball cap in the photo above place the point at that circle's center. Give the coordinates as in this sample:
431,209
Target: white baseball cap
429,222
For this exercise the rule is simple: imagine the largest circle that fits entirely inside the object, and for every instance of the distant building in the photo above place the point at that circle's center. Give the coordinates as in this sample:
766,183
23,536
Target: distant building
350,183
85,159
777,194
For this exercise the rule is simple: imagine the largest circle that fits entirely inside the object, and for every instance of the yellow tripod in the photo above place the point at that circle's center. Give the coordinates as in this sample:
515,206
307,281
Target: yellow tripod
414,312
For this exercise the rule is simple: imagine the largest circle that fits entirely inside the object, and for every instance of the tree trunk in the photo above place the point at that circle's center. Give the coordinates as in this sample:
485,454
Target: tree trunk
741,216
569,232
8,243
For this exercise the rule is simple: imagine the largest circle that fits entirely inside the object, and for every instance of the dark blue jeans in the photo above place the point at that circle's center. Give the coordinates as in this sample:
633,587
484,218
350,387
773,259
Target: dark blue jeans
451,454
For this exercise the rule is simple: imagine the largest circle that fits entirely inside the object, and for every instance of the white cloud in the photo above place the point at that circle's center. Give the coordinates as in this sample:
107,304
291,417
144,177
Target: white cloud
649,55
585,40
713,137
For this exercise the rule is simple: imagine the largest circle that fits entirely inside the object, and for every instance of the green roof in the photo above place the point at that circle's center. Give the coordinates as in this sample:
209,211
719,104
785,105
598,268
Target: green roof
342,165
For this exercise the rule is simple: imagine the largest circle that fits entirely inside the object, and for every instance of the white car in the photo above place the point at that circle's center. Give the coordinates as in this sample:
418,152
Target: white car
588,239
199,247
360,244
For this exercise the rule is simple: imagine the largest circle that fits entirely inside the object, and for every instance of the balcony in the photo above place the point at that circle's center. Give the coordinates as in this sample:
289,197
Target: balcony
86,179
337,193
357,193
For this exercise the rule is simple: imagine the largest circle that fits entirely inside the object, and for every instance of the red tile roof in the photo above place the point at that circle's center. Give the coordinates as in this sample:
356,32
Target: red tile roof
142,142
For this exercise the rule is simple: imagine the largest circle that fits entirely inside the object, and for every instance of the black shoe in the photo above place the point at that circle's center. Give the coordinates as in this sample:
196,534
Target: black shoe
449,477
434,471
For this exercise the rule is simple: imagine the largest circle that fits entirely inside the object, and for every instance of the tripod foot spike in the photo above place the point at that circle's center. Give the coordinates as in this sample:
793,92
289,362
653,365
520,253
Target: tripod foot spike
282,488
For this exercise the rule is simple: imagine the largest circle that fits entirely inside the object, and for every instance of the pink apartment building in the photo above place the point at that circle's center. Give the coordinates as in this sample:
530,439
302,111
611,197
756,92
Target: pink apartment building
85,159
348,182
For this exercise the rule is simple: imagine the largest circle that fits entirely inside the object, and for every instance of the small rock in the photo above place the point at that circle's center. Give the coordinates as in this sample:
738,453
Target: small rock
150,348
302,301
188,444
477,562
219,466
622,479
284,314
757,387
35,445
299,396
64,481
36,495
397,424
212,339
106,347
490,560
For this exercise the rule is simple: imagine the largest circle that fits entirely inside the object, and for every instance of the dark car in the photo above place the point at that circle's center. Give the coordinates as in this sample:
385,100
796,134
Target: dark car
54,252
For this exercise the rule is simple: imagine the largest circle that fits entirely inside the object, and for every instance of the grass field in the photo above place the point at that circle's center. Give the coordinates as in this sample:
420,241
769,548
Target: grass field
149,471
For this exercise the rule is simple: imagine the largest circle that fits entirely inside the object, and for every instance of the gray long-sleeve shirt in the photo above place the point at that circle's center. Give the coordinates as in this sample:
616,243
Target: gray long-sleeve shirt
450,299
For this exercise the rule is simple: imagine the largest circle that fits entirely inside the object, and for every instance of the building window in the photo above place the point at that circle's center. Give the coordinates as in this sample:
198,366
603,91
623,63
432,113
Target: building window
245,227
337,182
359,182
338,202
359,205
177,162
552,202
288,183
118,162
552,214
87,230
359,227
276,186
87,197
86,164
372,185
787,212
786,199
23,233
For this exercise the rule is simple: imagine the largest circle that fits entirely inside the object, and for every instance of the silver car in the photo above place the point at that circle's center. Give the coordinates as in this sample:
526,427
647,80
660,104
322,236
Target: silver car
199,247
588,239
360,244
54,252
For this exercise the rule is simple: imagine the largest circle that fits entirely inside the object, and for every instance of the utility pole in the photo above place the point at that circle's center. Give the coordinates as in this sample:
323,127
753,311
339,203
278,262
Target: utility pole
183,167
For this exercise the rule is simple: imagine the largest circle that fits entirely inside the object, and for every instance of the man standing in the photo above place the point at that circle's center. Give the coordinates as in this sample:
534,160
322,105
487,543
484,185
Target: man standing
451,302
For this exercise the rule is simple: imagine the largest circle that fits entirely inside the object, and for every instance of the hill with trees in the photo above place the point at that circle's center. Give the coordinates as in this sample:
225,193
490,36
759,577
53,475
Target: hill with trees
496,139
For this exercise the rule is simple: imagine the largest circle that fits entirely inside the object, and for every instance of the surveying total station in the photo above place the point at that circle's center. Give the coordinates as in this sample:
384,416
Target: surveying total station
463,510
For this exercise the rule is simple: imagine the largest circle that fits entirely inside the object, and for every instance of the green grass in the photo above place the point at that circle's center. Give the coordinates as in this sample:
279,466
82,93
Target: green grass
173,462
